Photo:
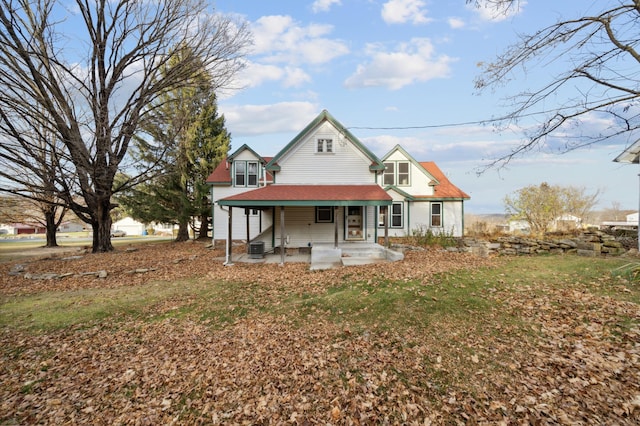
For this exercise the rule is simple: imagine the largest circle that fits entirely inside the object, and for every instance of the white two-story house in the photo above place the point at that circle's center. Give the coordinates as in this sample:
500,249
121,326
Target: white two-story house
325,186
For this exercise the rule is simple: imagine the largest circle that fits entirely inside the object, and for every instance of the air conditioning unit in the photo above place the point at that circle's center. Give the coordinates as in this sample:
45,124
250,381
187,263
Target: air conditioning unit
256,250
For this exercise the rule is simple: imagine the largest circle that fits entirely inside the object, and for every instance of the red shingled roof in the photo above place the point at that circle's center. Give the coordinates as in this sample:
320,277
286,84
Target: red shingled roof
222,173
445,189
274,193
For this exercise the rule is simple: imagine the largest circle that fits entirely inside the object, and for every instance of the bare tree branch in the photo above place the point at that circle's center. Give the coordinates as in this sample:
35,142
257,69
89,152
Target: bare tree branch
601,76
88,91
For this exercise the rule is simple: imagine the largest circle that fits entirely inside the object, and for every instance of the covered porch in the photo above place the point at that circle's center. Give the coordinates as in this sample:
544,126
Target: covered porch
334,214
325,256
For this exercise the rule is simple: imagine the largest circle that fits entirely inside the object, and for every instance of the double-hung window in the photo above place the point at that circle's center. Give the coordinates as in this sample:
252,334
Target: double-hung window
436,215
246,173
396,173
403,173
395,216
252,174
241,172
389,176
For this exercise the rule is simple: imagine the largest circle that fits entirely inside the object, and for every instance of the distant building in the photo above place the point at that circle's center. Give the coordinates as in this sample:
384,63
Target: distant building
519,226
70,227
566,222
134,227
22,228
631,222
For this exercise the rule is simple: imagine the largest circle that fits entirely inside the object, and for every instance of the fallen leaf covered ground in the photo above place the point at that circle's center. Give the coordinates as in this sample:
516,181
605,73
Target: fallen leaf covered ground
279,345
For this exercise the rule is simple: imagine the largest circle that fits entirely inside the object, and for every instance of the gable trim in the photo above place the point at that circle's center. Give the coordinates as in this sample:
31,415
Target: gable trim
376,163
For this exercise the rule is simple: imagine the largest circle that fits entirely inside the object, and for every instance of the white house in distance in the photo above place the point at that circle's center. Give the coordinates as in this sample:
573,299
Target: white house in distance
325,186
134,227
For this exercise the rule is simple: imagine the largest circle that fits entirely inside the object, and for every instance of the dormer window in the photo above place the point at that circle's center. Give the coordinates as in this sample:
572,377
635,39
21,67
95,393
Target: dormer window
246,173
324,145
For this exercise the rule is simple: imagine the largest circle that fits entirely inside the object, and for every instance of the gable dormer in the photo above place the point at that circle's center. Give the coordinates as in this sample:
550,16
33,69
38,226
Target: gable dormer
325,152
242,169
402,171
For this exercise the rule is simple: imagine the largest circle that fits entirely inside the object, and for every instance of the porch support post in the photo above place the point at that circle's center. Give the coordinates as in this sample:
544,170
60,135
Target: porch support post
386,226
282,241
228,261
335,227
246,214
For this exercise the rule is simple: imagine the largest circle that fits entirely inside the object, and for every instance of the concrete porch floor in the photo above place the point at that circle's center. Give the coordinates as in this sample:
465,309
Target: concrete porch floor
325,256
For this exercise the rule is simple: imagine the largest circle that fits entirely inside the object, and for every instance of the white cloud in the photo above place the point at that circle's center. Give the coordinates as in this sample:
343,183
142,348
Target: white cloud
324,5
401,11
410,63
278,39
490,10
283,117
256,74
455,23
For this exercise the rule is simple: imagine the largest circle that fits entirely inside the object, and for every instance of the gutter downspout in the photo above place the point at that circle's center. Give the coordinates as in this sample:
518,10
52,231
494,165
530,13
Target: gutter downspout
282,233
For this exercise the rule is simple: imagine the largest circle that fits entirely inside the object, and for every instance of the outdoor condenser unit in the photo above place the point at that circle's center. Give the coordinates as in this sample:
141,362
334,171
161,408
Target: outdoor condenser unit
256,250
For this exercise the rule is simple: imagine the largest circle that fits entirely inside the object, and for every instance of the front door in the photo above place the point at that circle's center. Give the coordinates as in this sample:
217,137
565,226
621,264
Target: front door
354,223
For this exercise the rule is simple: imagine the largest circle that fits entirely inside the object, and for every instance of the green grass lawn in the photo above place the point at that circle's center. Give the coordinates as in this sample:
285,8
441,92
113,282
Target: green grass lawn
462,299
18,248
489,344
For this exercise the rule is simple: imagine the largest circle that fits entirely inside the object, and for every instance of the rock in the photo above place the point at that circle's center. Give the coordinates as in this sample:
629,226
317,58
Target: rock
587,253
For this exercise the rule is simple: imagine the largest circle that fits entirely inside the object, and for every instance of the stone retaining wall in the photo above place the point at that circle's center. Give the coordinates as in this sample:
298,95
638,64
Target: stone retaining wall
590,243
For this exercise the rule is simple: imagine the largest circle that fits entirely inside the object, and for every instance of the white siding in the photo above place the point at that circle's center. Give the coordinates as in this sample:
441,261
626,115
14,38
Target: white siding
417,215
419,179
345,165
451,217
257,223
246,155
302,231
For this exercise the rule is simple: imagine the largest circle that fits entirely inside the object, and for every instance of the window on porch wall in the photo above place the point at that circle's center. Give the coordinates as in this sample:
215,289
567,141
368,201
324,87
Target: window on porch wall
324,214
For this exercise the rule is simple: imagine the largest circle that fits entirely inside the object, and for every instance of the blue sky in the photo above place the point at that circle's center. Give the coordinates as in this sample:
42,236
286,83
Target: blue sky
400,72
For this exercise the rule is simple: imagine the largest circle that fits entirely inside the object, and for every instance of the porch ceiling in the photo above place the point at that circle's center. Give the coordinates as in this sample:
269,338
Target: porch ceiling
310,195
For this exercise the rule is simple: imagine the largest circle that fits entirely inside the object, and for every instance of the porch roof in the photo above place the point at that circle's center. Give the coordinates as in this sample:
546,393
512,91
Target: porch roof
310,195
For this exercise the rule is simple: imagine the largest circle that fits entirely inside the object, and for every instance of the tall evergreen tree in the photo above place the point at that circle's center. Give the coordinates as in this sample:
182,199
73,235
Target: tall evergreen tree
187,138
209,144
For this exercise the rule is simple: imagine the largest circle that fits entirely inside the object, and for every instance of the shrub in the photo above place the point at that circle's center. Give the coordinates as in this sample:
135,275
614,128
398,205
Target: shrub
425,236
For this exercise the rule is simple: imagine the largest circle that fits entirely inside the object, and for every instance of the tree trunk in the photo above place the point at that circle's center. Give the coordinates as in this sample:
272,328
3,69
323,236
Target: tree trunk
51,226
101,225
204,228
183,232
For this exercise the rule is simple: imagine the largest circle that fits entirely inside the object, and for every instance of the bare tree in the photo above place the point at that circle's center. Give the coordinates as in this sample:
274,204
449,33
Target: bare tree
599,54
31,174
544,205
89,89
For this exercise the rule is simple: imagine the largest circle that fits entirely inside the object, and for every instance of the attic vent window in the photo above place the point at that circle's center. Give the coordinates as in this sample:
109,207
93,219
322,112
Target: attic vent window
324,145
